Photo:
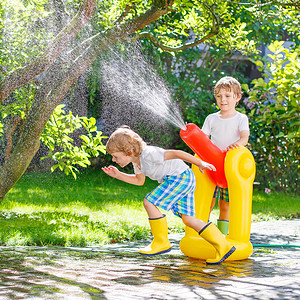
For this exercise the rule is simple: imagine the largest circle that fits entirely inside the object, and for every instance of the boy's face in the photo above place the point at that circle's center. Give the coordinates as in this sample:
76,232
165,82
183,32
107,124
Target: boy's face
121,158
227,99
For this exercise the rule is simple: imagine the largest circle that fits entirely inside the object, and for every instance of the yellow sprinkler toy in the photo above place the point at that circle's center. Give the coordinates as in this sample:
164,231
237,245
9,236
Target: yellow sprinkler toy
235,170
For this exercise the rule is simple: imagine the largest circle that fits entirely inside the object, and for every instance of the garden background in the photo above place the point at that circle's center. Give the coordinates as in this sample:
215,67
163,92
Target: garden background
73,71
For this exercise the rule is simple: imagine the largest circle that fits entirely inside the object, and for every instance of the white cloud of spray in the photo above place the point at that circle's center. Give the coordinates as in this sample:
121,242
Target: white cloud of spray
129,77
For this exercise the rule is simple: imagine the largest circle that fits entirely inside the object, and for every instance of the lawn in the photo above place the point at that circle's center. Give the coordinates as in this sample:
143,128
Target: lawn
54,209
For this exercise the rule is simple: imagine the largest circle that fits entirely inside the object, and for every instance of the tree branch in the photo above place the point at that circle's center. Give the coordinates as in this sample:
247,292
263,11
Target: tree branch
22,76
124,14
167,48
295,3
292,3
214,30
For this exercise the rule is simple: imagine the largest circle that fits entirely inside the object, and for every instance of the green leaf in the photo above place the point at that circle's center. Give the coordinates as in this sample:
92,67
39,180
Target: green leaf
85,139
259,63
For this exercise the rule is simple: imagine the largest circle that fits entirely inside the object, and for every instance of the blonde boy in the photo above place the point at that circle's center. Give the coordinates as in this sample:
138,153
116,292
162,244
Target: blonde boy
175,191
227,129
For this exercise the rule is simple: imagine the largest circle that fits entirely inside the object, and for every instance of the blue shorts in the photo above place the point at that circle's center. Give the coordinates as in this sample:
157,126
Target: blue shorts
175,193
221,194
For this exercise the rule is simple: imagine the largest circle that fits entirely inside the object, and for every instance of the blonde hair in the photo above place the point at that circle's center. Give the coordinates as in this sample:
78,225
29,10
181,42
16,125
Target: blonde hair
125,140
229,83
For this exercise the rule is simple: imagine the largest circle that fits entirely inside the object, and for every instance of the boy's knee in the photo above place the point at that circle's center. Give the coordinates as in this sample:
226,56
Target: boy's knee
187,220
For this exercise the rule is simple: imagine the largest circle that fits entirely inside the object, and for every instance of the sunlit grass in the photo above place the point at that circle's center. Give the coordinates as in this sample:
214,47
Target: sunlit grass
275,206
54,209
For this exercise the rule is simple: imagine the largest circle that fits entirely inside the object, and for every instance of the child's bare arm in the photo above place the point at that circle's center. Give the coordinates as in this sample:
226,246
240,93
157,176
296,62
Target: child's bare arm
136,179
202,165
243,141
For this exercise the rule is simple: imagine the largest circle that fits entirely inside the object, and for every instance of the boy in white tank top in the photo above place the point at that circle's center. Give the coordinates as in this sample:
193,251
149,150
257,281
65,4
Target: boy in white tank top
227,129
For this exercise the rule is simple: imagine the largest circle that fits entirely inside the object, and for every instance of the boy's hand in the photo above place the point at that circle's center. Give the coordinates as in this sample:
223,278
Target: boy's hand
204,165
232,146
111,171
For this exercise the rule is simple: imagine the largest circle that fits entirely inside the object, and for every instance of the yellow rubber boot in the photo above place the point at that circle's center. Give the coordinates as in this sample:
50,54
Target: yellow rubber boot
214,236
160,243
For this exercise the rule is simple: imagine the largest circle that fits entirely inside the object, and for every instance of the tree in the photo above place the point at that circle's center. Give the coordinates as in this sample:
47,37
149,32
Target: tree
167,23
193,72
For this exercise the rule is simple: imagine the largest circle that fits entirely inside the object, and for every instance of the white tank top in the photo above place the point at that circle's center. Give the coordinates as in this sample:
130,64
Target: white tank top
154,166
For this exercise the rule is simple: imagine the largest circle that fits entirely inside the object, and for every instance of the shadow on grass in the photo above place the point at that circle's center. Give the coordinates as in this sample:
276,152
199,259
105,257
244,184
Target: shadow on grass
64,229
92,188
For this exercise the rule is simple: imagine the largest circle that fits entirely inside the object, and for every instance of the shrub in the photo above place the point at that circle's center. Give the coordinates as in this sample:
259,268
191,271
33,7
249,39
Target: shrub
274,116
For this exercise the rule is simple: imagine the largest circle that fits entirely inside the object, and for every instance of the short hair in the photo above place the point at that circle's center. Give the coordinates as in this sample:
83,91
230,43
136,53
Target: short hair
125,140
229,83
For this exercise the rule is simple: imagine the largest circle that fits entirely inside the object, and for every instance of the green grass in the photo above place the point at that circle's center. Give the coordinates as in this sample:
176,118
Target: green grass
275,206
54,209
